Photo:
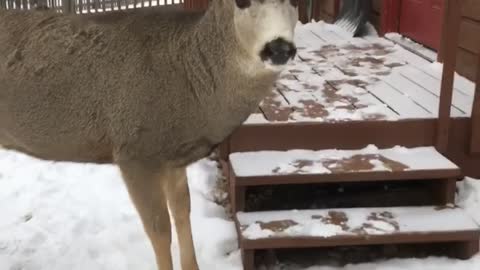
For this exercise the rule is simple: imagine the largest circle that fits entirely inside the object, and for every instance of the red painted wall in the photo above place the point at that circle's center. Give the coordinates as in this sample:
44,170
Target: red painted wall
421,20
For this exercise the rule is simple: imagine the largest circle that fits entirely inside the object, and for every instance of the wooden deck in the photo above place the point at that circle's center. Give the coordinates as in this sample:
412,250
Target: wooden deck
353,136
336,79
352,92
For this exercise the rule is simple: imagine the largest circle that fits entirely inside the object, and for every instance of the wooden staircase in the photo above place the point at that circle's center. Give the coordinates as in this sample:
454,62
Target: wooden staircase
286,199
362,222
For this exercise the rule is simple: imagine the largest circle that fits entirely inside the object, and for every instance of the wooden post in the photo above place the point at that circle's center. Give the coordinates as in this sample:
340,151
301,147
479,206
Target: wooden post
475,139
316,11
441,49
302,11
445,191
67,6
248,258
450,59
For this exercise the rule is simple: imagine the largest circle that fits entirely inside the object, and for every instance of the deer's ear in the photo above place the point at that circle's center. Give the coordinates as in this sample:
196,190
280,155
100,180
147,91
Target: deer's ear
242,4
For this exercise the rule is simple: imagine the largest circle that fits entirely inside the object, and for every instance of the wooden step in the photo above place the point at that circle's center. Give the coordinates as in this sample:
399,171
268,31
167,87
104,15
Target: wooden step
357,227
368,164
297,167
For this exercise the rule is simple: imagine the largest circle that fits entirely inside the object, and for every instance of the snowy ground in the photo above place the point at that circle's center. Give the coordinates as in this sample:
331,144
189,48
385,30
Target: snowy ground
60,216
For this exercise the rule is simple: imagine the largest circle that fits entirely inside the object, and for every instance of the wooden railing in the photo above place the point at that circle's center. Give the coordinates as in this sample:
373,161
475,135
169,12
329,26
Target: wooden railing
85,6
475,136
308,9
451,29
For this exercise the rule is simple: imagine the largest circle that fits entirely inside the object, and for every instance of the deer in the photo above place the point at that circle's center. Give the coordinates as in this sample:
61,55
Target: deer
150,91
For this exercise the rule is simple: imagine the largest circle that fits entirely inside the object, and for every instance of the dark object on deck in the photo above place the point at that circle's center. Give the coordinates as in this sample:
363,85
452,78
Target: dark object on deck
354,16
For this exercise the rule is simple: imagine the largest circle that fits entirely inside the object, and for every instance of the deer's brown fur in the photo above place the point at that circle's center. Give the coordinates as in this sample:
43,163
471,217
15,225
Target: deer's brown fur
151,91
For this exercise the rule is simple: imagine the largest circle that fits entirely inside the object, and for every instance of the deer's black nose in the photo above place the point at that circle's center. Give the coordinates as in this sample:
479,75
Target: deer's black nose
278,51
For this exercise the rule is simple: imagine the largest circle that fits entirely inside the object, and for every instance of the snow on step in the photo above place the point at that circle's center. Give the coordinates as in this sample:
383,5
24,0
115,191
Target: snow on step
354,222
266,163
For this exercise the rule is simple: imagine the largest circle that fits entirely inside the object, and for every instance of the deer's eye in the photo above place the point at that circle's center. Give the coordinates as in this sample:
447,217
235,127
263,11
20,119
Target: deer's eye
294,3
242,4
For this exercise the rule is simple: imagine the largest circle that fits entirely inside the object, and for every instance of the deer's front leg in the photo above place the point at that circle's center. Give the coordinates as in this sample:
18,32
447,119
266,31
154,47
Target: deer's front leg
147,191
179,202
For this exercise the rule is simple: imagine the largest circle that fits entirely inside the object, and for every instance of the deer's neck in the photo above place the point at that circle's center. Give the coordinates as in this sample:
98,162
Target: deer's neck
220,66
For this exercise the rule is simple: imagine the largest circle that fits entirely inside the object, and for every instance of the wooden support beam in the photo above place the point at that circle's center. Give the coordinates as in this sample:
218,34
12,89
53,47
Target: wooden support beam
68,6
316,13
248,258
303,11
475,137
443,41
450,58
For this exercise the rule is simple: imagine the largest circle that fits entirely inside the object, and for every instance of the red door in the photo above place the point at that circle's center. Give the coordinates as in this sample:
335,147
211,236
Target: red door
421,20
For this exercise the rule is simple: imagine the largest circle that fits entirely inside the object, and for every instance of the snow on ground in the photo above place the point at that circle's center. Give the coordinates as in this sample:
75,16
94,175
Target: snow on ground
60,216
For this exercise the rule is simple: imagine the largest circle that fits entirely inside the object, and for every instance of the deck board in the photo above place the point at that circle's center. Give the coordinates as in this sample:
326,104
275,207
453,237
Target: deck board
308,162
461,84
355,222
335,79
399,102
418,94
459,101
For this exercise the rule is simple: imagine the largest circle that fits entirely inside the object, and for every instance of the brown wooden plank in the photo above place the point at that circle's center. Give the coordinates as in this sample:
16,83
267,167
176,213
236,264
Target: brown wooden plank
469,36
475,136
466,64
399,238
345,177
466,250
449,57
384,134
248,258
471,9
275,107
237,193
196,4
445,191
302,11
328,6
